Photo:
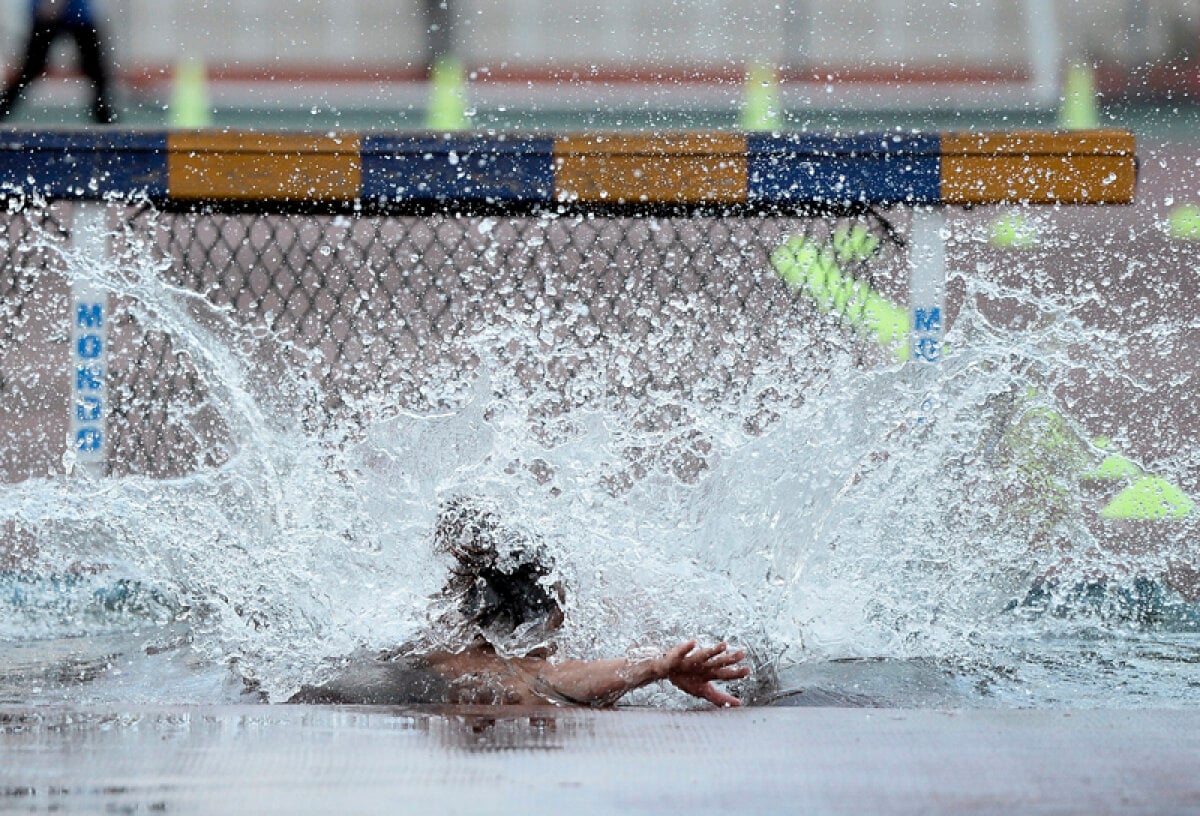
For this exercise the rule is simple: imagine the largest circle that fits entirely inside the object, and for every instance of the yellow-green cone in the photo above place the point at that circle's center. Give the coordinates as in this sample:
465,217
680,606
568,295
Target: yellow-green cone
1184,223
1013,231
190,106
761,107
814,270
1149,498
1079,110
447,97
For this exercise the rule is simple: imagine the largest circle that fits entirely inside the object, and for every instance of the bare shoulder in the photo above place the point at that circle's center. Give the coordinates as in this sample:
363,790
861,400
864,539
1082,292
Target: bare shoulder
482,677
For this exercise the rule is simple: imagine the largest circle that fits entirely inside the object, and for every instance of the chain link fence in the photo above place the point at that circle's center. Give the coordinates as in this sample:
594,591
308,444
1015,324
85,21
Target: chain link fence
659,316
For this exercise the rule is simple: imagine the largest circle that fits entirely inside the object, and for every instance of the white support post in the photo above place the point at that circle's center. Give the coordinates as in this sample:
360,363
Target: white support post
87,442
927,283
1045,51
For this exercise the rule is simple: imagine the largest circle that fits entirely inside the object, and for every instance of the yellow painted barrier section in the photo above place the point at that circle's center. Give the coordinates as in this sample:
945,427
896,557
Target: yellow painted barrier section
693,168
1030,167
244,166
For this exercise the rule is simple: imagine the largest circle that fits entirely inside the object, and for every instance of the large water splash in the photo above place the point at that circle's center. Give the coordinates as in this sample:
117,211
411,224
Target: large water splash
842,508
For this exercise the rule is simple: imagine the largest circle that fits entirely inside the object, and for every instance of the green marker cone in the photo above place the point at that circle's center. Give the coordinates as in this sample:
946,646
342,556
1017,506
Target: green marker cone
1079,110
814,270
854,244
761,107
1184,223
1113,468
447,97
189,106
1054,447
1149,498
1013,231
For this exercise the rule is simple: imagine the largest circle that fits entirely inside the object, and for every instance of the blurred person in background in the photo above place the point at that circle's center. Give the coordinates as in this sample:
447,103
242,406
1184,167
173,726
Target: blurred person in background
50,20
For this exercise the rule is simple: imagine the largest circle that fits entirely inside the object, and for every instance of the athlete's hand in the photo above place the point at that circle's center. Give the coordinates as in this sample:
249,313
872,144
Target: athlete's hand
693,670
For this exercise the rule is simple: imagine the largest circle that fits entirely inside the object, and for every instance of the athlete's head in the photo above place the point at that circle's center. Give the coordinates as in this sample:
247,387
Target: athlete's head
501,577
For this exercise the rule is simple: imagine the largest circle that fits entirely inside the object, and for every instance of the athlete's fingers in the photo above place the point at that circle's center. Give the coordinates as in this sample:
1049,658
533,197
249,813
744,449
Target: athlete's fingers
676,655
704,655
719,698
730,673
726,659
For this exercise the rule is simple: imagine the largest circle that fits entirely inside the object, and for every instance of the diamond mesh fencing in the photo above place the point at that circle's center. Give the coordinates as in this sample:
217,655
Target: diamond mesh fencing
654,314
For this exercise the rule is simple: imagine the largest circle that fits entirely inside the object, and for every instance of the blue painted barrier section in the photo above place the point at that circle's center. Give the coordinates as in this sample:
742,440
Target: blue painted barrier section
84,164
472,169
863,169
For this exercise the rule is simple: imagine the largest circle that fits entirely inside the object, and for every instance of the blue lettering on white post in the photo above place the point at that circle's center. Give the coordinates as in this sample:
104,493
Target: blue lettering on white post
89,315
89,378
89,409
89,349
927,334
927,284
88,412
928,321
89,440
90,346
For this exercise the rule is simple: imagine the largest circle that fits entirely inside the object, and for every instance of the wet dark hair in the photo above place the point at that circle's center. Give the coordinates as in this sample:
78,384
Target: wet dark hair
500,575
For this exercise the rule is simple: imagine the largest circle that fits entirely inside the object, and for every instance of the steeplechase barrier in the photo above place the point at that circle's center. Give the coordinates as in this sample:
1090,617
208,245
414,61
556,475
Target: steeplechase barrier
381,251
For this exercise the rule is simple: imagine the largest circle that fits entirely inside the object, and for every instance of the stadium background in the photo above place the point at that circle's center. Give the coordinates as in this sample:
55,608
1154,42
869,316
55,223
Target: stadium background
567,63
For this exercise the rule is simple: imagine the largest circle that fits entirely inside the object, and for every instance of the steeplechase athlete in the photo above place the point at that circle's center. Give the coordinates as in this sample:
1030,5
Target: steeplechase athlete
501,603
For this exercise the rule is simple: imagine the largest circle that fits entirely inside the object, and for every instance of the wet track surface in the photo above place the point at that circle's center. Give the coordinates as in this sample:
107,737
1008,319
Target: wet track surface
295,759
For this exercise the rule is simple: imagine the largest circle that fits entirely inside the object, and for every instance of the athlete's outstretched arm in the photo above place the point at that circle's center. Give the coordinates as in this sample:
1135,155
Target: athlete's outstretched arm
603,682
